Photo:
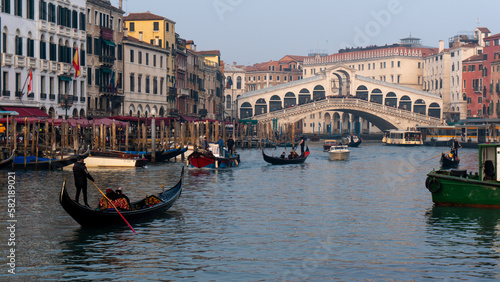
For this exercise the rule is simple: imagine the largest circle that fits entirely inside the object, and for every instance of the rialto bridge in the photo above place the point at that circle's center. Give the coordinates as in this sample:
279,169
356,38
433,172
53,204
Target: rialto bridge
335,100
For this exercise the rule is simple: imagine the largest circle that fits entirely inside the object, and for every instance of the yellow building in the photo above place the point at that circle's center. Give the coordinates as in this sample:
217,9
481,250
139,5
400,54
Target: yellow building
155,30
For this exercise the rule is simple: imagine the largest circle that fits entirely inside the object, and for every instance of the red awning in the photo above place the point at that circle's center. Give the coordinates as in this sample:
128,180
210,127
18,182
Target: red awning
188,118
27,111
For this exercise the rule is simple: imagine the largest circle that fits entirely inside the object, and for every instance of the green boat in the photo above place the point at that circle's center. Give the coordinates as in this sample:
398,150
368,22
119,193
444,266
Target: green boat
459,188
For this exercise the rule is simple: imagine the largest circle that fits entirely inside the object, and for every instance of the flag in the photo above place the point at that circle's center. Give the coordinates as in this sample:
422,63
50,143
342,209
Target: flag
229,82
112,83
30,83
76,63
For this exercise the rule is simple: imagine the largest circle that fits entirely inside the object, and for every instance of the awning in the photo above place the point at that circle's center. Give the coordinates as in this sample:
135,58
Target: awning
109,43
27,111
107,70
188,118
65,78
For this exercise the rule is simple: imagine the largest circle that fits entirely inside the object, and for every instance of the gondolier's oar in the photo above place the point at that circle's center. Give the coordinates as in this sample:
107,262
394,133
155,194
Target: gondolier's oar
437,156
114,207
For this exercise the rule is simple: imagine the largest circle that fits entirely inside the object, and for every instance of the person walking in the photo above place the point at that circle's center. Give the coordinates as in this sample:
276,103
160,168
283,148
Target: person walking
81,174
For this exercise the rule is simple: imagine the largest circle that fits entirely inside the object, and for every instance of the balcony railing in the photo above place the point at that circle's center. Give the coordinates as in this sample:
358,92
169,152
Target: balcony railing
7,59
52,96
108,60
31,95
6,93
43,96
82,99
19,94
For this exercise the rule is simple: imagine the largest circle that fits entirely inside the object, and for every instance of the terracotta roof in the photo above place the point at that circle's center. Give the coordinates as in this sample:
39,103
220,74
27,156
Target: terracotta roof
209,52
484,29
147,16
493,36
474,58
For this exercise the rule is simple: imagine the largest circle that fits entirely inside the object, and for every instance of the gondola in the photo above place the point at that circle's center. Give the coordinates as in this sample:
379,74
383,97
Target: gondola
160,156
447,162
280,161
7,163
32,163
140,210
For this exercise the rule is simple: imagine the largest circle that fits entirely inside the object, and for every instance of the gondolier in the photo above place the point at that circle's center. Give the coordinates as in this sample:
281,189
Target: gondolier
81,174
455,146
302,144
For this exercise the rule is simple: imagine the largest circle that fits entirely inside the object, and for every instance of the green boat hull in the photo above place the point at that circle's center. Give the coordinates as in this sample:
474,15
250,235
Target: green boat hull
463,190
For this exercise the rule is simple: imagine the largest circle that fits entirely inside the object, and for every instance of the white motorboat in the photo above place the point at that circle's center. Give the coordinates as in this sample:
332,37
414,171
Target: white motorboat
339,152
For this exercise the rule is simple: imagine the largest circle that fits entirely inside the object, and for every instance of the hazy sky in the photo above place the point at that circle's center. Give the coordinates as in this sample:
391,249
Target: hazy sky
254,31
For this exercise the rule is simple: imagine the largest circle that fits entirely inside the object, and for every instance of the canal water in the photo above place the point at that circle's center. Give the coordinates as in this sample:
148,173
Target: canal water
368,218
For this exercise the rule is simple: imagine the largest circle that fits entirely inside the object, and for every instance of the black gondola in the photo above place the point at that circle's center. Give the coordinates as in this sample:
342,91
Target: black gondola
160,156
43,164
280,161
140,210
447,162
7,162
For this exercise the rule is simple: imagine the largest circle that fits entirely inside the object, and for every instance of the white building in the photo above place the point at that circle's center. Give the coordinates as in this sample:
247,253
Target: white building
43,36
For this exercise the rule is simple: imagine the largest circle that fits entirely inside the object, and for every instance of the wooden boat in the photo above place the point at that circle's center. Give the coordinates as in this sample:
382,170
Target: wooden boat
140,210
459,188
34,163
160,156
352,141
284,161
329,143
402,138
339,153
211,158
449,162
7,163
114,159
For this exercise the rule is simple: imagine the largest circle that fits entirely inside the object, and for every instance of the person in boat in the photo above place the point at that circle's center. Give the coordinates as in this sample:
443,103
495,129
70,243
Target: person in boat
122,201
221,146
291,155
204,143
104,204
81,174
302,143
230,146
283,155
455,146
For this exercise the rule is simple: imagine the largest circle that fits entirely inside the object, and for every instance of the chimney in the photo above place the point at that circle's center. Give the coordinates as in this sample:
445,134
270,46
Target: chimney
140,35
441,46
120,4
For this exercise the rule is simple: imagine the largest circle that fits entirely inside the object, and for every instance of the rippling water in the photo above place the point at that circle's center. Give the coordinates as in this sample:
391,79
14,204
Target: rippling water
369,218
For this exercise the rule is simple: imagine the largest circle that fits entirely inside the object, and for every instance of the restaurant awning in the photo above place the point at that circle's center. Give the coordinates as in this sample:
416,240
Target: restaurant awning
109,43
27,111
188,118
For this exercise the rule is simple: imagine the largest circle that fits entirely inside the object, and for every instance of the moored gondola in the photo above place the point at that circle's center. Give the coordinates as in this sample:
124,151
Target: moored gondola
447,162
34,163
7,162
139,211
284,161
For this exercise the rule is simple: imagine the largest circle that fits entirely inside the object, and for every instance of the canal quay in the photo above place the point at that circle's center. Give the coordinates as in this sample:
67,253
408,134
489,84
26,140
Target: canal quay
368,218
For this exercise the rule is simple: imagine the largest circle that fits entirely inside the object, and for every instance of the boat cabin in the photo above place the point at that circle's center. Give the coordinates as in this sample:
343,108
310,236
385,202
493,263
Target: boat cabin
403,137
489,161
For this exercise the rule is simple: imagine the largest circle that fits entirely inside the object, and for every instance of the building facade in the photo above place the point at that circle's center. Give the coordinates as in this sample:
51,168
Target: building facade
42,38
104,58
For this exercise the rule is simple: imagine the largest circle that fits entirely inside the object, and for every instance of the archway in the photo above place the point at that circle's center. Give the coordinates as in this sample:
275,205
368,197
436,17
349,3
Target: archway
246,110
376,96
82,113
336,123
419,107
362,92
290,100
75,113
434,110
260,106
345,123
405,103
52,112
391,100
318,93
328,123
275,103
304,96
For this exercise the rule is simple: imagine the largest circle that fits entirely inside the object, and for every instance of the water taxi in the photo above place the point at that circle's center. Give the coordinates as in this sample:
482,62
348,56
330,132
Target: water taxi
459,188
339,153
403,138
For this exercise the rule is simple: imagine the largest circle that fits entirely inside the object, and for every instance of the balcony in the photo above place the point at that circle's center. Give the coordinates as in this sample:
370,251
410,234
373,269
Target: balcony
5,93
107,60
31,96
63,97
184,92
52,97
7,60
63,31
43,26
52,27
43,96
19,61
19,94
31,62
63,68
44,65
82,99
53,66
105,90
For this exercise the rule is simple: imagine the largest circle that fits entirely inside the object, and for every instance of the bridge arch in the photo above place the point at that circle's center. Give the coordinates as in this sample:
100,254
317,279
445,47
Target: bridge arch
336,123
419,107
289,100
391,99
318,93
275,103
304,96
405,103
377,96
246,110
260,106
362,92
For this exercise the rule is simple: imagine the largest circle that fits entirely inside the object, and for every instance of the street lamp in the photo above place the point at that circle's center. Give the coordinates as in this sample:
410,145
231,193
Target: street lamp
66,104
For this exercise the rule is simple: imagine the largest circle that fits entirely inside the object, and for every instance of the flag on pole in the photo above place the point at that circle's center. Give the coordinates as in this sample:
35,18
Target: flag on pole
76,63
30,83
112,83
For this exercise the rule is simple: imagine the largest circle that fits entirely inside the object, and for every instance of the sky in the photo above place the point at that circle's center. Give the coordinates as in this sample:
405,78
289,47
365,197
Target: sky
255,31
